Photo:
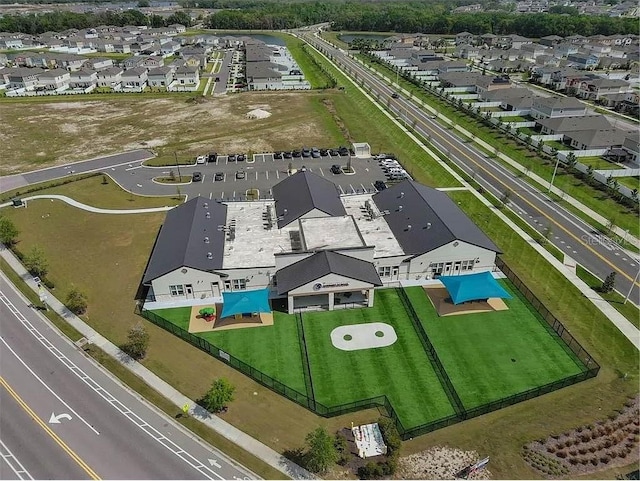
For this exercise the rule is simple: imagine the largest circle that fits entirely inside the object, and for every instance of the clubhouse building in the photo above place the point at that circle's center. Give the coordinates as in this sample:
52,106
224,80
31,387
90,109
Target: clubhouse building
312,246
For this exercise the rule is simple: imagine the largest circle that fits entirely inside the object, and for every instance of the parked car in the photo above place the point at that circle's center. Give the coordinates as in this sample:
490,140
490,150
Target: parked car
240,174
232,158
306,152
397,176
212,157
196,177
240,157
335,168
296,153
343,150
219,176
324,152
277,155
315,152
334,152
287,155
380,185
200,159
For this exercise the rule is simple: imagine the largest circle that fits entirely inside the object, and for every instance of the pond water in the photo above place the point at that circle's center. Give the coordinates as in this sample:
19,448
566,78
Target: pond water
270,39
350,37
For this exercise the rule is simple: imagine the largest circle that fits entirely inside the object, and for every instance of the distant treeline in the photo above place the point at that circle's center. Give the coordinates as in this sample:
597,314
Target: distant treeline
59,21
381,16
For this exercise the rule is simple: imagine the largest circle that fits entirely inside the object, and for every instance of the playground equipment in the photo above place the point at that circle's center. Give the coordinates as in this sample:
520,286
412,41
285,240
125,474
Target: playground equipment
208,313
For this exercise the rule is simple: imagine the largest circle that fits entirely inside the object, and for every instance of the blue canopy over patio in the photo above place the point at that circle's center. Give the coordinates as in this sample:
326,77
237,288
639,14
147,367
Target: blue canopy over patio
473,287
245,302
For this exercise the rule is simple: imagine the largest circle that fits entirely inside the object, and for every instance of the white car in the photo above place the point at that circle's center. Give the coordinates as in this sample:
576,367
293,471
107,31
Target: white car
201,159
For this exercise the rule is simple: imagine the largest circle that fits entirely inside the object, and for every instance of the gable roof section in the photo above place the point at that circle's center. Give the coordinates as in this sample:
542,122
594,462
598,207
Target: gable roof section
322,263
303,192
423,219
573,124
181,241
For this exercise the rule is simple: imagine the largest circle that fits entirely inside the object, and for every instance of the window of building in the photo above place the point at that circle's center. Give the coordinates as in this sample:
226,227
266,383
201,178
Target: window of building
437,268
467,265
176,290
384,271
227,285
239,284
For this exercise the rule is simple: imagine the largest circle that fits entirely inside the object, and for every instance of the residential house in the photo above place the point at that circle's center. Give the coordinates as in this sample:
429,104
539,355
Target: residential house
594,89
263,76
567,77
563,125
187,77
488,39
632,147
83,79
596,139
133,62
160,77
54,79
152,62
24,78
169,48
452,67
134,78
488,83
550,40
532,50
516,41
575,39
466,51
565,49
465,38
460,81
4,60
544,107
8,43
111,77
98,63
179,28
597,49
104,45
122,47
584,61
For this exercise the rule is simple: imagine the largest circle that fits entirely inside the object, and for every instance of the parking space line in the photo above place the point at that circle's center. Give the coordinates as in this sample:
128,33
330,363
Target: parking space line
352,189
278,174
364,189
256,175
222,195
321,171
210,195
234,194
341,189
267,174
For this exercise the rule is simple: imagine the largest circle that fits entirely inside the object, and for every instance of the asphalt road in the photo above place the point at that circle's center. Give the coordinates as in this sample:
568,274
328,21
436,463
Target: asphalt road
261,174
100,163
570,234
63,417
220,86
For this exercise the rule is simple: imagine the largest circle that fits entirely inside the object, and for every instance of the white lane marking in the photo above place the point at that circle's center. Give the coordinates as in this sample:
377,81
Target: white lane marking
13,462
321,171
267,174
133,168
55,419
31,329
107,396
210,195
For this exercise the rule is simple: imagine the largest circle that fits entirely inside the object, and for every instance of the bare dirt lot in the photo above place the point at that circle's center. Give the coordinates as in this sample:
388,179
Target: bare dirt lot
46,133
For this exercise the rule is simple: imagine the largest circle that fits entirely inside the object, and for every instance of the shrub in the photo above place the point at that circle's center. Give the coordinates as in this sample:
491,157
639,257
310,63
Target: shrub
584,461
76,301
582,450
594,461
551,449
573,452
137,342
218,396
390,435
573,461
48,284
561,454
608,443
605,459
340,443
592,449
612,454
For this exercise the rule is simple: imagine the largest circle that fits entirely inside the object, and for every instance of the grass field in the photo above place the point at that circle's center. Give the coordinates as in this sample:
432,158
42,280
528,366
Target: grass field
402,371
273,350
493,355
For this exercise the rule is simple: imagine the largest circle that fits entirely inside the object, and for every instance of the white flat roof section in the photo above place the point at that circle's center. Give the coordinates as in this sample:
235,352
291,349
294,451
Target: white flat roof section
330,233
374,229
249,241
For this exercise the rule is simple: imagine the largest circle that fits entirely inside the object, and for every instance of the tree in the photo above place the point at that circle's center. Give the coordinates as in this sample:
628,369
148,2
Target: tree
218,396
8,232
342,448
609,283
322,452
36,262
143,3
137,341
76,301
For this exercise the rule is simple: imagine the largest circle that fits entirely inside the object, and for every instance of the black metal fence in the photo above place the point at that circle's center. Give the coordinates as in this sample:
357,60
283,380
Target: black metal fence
589,368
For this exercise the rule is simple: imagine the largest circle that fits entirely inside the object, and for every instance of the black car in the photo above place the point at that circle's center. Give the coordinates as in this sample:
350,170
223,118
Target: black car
240,157
394,95
219,176
196,177
232,158
343,151
296,153
379,185
334,152
324,152
287,155
212,157
277,155
306,152
335,168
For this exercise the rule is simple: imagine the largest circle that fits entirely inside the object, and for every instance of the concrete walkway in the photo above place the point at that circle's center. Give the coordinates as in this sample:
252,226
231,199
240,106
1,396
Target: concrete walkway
535,177
96,210
622,323
233,434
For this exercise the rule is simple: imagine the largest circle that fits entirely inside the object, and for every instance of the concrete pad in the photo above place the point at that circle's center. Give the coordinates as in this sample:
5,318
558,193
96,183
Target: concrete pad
439,297
354,337
198,324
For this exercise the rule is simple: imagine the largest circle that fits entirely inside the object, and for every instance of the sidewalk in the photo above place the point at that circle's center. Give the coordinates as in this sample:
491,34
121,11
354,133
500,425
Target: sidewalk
223,428
96,210
539,180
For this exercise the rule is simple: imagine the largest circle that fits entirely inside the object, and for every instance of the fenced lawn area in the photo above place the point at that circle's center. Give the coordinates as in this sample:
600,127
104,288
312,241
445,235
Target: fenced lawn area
273,350
402,371
492,355
487,356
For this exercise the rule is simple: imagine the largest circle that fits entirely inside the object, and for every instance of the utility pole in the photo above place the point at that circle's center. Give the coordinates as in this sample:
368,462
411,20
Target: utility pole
555,169
635,279
175,154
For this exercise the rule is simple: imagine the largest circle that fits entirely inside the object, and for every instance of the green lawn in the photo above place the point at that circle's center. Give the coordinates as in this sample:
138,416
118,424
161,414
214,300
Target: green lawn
312,73
402,371
273,350
631,182
598,163
493,355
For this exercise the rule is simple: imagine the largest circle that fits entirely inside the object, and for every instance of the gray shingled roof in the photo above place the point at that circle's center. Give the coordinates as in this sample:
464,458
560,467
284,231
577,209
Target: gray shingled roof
573,124
322,263
181,241
434,219
303,192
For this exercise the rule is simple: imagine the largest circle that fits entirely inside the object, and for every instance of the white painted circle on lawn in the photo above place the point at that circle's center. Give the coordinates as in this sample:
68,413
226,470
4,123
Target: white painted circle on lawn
354,337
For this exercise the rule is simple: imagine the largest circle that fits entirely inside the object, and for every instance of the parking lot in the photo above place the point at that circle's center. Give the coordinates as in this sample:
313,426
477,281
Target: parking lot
226,177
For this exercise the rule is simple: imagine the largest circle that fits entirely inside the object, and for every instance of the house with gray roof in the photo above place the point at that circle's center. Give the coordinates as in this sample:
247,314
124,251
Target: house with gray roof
160,77
596,139
54,79
545,107
312,246
562,125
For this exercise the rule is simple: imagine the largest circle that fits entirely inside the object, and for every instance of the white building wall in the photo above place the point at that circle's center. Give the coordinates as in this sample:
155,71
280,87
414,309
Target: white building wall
484,260
329,280
199,280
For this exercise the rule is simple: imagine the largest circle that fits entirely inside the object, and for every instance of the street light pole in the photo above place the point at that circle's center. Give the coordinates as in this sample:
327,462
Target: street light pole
175,154
635,279
555,169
